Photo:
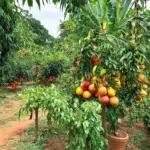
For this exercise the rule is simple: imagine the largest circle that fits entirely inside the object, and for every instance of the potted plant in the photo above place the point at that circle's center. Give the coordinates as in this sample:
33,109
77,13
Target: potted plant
117,139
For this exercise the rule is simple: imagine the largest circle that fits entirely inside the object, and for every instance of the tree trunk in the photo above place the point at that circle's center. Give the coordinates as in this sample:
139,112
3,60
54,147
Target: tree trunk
87,144
31,115
36,124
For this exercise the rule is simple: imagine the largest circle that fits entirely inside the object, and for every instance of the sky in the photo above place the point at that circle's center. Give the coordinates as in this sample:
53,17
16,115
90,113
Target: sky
49,16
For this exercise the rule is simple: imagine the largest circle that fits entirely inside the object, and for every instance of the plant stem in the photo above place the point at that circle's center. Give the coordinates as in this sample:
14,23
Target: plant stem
134,22
103,118
87,144
36,124
117,11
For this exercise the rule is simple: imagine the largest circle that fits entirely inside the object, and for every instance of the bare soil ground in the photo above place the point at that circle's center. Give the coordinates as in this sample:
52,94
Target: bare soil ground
56,143
10,126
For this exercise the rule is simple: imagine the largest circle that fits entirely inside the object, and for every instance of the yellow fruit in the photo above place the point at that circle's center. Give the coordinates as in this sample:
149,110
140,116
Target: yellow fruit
111,92
86,94
82,80
144,86
94,69
115,79
117,84
93,80
79,91
143,92
96,94
103,72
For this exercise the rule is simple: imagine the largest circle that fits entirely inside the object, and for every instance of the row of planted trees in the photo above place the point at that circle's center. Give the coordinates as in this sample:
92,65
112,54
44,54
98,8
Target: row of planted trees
113,62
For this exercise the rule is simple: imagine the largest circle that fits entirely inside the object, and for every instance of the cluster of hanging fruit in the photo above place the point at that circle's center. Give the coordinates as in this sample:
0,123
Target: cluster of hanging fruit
141,81
98,90
99,87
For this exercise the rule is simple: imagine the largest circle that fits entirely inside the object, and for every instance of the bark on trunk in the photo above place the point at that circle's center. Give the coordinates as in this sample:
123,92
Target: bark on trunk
36,125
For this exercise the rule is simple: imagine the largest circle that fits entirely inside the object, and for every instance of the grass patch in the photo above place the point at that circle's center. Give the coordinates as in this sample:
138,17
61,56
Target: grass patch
45,132
6,120
137,137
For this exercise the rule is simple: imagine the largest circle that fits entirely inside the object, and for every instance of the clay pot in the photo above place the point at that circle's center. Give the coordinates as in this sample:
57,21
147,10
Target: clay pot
117,143
148,140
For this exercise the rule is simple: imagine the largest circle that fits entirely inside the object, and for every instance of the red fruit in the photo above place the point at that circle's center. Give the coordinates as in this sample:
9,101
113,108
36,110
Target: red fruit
95,60
103,99
138,97
85,85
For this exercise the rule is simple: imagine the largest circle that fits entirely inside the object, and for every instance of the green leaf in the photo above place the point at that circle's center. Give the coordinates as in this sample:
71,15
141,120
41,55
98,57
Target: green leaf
142,2
126,6
30,3
1,11
38,2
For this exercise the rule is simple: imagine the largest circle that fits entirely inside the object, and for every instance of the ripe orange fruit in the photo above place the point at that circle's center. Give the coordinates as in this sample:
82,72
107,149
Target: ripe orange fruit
96,94
95,60
142,66
114,100
86,94
102,91
141,76
92,88
79,91
144,80
138,97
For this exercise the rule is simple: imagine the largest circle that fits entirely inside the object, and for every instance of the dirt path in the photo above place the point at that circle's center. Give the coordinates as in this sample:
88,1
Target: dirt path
10,126
13,129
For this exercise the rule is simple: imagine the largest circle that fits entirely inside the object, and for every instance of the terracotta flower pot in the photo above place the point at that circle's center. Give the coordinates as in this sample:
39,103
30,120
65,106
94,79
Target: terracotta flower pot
117,143
148,140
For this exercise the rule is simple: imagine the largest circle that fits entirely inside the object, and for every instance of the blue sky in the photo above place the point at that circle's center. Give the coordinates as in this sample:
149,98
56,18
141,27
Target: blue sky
50,16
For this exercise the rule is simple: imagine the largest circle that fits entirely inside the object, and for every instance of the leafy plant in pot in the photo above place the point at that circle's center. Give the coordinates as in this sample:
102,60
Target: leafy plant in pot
117,139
